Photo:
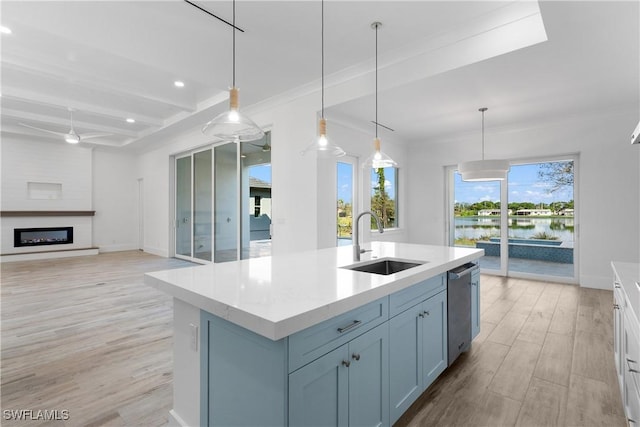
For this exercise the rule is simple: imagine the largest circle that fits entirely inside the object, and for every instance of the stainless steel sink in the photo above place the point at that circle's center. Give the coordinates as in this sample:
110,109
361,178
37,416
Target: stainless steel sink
385,266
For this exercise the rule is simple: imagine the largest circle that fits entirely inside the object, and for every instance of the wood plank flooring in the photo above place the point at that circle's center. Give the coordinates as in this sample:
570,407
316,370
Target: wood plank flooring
86,335
544,357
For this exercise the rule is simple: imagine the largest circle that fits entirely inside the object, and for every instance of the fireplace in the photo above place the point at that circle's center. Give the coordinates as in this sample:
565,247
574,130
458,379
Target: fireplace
42,236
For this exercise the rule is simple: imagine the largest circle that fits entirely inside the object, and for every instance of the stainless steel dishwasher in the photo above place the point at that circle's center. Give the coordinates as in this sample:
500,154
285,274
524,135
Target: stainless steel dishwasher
459,310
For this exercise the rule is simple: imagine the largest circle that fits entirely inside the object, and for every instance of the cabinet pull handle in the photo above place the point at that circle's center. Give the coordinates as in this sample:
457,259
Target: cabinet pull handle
427,313
632,421
616,306
355,356
346,363
616,284
350,326
631,361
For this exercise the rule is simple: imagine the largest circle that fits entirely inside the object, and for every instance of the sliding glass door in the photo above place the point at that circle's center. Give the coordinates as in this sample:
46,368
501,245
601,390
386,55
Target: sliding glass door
541,218
223,202
193,202
184,210
477,218
525,224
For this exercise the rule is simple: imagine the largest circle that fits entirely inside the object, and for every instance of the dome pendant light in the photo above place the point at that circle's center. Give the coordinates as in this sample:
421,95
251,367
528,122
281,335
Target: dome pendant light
484,170
321,144
233,125
378,159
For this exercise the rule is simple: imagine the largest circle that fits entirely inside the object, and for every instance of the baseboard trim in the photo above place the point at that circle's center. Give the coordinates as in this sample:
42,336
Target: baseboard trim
34,256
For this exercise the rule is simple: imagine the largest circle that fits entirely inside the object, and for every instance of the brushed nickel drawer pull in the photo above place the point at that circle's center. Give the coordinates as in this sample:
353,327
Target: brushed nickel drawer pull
346,363
355,356
350,326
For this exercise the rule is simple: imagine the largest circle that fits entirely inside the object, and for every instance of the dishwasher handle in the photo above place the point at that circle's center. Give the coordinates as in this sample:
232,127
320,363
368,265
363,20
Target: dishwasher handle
462,271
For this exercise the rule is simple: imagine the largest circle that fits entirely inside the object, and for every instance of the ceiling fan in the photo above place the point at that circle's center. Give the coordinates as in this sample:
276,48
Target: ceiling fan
267,143
72,137
265,147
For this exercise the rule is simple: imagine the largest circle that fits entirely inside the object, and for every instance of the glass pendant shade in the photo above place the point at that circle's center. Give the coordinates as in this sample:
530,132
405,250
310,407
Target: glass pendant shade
378,159
233,125
484,170
322,145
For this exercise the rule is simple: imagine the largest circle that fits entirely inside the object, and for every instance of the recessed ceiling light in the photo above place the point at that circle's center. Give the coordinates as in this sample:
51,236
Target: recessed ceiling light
178,83
130,120
5,30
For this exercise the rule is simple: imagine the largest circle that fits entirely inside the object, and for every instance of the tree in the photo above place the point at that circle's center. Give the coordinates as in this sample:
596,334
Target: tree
381,204
558,174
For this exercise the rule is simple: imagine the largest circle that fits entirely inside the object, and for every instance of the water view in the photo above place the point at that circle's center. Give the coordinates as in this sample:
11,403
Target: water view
474,228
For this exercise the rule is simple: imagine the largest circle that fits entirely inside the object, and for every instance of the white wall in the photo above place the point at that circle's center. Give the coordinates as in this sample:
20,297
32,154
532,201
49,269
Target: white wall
115,200
608,183
52,163
304,187
47,162
91,179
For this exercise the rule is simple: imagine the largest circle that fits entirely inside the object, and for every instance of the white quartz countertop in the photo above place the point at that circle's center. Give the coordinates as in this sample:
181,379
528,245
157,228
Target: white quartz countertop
628,275
279,295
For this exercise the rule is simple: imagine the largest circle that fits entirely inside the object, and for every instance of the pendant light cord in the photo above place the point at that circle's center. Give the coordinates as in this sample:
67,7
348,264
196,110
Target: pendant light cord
482,110
322,56
377,81
233,20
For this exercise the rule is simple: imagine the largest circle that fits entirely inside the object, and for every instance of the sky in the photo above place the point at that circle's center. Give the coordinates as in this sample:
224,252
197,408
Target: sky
262,172
345,180
524,186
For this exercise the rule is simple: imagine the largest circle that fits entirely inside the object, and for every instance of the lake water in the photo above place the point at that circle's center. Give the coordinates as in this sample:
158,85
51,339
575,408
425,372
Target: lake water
475,227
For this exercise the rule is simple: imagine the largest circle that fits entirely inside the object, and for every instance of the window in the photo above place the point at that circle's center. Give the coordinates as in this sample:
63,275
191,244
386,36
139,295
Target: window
345,192
384,196
525,225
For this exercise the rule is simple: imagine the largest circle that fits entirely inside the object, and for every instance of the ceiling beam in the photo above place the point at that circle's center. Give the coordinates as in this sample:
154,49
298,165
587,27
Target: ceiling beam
54,101
23,115
87,80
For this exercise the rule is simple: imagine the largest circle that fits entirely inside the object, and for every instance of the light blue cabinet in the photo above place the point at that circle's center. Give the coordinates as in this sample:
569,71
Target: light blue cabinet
362,368
319,391
434,338
418,351
475,304
347,386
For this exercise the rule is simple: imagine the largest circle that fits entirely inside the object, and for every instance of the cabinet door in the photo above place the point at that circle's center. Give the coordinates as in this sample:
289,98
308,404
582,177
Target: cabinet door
405,360
618,334
475,304
369,378
434,338
318,392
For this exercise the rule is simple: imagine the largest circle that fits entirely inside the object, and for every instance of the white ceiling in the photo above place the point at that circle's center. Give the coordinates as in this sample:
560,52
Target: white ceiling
112,60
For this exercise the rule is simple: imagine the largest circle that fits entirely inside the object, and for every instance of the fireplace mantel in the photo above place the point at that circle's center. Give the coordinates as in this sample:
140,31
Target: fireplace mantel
46,213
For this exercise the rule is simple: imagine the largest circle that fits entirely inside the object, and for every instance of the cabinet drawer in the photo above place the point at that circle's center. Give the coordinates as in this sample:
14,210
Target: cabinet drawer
311,343
631,349
407,298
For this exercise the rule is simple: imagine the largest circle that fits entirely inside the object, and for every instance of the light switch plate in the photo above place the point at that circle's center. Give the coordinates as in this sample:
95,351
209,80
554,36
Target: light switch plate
194,336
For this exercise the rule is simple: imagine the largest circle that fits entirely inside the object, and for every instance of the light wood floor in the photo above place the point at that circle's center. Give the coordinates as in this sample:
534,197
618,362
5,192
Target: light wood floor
544,357
86,335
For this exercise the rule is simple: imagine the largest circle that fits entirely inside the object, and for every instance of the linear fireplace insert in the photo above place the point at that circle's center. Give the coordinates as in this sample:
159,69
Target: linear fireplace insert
42,236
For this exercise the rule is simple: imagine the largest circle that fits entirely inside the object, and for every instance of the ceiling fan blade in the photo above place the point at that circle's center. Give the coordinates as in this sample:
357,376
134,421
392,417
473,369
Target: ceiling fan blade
43,130
93,135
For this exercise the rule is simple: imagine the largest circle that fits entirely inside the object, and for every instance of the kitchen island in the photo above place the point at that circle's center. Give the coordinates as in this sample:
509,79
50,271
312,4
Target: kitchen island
255,340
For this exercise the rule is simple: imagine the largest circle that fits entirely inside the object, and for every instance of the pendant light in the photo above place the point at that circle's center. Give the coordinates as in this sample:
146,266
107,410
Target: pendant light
233,125
484,170
378,159
321,144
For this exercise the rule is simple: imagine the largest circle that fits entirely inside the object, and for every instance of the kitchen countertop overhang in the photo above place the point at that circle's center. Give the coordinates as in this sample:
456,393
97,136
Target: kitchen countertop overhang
279,295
